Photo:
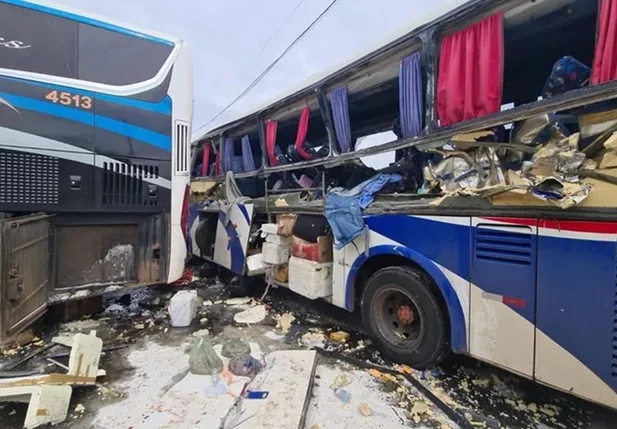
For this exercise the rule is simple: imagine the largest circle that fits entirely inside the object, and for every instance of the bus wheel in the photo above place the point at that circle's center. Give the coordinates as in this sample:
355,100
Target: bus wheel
404,317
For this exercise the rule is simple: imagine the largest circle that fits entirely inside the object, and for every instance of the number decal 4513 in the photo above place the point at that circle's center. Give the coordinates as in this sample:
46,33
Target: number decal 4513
68,99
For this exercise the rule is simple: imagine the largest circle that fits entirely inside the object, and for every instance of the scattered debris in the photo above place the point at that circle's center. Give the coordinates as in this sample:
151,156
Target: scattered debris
274,336
201,333
288,379
339,336
203,320
80,409
238,301
235,347
182,308
244,366
251,316
52,392
139,326
204,360
313,339
419,411
365,410
341,380
284,321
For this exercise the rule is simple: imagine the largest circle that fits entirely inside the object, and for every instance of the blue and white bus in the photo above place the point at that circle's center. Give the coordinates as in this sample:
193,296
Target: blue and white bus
495,232
95,120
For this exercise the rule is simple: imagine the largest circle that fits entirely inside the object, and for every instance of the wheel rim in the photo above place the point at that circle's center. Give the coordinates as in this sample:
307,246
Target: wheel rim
398,317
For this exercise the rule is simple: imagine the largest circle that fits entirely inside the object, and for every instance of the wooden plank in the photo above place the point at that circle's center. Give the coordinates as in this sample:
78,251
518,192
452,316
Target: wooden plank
288,379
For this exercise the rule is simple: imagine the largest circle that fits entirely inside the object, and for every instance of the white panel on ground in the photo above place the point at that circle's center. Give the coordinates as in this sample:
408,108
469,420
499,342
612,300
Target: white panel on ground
288,381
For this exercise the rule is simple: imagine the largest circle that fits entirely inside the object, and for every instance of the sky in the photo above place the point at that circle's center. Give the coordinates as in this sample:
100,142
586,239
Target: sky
234,41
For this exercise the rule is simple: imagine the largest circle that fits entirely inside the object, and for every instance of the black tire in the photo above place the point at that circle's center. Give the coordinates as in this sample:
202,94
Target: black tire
417,337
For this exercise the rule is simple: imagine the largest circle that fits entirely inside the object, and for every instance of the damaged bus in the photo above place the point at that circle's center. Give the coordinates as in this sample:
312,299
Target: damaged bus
95,119
490,227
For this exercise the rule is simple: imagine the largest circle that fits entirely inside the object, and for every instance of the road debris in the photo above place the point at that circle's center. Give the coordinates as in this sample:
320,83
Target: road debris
182,308
339,336
365,410
251,316
284,321
201,333
244,365
203,359
235,347
80,409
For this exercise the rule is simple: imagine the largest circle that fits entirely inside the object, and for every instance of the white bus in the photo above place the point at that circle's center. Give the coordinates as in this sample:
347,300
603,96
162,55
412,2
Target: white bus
95,119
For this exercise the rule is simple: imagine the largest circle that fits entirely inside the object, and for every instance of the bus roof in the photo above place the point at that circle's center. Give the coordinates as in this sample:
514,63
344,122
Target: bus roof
438,9
55,8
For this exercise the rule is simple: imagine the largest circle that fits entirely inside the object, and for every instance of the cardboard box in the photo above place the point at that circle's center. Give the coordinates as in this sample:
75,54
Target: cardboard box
317,252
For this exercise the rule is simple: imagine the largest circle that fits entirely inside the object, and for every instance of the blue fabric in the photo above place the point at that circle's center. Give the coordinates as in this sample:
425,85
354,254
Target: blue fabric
228,155
247,155
410,96
340,116
567,74
237,164
344,207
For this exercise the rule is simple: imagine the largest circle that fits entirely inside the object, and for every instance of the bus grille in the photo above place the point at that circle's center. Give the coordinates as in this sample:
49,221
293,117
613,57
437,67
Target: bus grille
125,185
181,143
503,246
29,178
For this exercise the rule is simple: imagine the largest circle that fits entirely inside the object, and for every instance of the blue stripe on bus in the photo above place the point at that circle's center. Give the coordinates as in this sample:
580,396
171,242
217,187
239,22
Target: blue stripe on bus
118,127
86,20
163,107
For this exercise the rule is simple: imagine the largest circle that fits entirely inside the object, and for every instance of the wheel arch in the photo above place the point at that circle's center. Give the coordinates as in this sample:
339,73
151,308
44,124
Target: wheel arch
388,255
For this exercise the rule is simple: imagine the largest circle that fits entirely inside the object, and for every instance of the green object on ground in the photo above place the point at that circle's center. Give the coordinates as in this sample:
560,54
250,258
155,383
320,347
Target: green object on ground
235,347
204,360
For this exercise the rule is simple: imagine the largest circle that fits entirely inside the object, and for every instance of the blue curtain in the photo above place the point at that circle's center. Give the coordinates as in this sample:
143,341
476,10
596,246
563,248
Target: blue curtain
247,154
340,115
410,96
228,155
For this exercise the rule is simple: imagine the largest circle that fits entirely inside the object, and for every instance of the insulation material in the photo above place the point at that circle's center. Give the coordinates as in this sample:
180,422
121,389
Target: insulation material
275,254
310,279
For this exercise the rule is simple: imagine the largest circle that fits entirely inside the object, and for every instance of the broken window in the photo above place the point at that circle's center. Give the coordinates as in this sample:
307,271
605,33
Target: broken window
549,48
385,96
296,134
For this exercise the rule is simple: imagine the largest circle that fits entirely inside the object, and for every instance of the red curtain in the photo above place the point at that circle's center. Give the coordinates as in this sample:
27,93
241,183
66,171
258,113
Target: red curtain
205,160
217,163
605,59
470,79
302,130
271,142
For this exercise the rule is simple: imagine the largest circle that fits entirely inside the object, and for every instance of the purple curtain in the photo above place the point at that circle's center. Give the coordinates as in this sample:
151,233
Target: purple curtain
228,155
340,114
247,154
410,95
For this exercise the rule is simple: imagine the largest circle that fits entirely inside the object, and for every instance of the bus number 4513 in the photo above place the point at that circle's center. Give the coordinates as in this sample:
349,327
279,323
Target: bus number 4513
68,99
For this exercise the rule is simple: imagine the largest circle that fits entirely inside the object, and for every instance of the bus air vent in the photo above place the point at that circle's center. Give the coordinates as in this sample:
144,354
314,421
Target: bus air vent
123,184
28,178
181,146
511,245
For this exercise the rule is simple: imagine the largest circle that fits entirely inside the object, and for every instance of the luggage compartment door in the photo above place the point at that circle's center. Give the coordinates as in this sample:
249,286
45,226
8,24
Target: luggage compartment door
24,272
503,291
232,235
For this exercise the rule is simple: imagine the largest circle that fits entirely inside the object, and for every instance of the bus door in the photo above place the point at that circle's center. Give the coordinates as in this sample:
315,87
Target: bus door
232,235
24,272
503,290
